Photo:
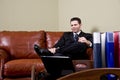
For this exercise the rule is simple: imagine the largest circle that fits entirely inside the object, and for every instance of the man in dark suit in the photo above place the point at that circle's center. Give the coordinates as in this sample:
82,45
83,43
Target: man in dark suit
72,44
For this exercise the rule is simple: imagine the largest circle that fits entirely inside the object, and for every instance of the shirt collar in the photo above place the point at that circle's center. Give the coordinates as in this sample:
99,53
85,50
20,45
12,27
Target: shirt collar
77,32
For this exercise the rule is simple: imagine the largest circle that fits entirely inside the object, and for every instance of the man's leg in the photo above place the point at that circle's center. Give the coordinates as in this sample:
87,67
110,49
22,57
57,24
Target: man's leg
42,52
75,51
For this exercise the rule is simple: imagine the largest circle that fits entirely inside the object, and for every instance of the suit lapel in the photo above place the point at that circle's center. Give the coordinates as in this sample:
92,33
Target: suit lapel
71,36
81,34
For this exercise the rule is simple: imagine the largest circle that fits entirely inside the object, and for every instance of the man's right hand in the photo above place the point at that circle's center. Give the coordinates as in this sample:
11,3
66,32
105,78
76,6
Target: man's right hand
52,50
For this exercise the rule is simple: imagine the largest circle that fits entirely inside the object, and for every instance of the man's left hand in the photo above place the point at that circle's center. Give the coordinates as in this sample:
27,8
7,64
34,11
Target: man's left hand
84,40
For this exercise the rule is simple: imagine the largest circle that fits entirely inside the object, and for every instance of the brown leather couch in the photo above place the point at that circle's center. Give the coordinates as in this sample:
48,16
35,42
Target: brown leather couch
17,55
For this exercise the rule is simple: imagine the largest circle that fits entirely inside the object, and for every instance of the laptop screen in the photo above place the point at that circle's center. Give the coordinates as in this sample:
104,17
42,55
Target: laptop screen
57,63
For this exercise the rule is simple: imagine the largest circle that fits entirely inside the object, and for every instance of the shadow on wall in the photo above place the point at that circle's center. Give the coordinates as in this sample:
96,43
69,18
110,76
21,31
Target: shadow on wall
94,29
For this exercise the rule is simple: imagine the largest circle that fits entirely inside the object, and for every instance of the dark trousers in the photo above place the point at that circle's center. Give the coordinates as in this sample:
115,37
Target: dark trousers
74,51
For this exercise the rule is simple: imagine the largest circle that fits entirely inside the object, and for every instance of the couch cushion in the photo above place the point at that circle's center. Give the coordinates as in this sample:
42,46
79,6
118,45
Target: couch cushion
20,43
22,67
52,38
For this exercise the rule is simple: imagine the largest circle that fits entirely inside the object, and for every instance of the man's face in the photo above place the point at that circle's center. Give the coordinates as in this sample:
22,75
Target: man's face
75,26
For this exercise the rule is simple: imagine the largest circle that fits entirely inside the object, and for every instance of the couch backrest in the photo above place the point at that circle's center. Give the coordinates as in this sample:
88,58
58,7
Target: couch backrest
52,38
20,43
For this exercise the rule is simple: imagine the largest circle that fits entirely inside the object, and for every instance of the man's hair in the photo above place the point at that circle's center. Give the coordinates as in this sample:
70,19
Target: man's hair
76,19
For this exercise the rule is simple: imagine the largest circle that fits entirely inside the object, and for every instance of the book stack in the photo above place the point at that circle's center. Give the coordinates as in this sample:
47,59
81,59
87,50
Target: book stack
106,49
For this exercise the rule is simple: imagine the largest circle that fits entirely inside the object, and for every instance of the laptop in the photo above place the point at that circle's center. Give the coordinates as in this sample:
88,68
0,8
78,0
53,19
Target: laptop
56,64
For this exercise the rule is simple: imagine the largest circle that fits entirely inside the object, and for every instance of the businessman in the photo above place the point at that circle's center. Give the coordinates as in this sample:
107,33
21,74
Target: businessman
72,44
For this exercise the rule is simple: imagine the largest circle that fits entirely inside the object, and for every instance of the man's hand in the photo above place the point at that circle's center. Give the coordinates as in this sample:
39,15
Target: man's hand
52,50
84,40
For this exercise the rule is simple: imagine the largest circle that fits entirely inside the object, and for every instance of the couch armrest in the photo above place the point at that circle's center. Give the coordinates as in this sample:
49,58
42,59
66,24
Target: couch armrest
90,53
4,57
82,64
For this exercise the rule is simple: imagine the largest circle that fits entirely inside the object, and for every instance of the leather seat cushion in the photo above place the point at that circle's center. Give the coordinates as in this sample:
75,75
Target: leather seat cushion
22,67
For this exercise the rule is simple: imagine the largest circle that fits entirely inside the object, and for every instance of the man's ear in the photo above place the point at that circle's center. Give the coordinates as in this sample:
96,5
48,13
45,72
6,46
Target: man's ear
81,24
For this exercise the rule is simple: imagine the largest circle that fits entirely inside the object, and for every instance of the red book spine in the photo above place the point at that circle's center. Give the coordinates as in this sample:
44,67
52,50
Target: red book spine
119,49
116,49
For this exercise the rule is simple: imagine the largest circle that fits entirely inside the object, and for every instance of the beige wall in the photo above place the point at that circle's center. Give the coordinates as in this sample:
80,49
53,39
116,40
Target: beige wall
96,15
28,14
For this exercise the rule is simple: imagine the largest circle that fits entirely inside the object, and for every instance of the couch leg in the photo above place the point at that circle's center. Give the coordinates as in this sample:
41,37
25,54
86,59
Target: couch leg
38,75
33,73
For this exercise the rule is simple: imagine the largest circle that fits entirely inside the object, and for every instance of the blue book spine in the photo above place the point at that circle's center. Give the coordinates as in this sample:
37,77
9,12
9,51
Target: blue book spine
97,50
109,49
110,54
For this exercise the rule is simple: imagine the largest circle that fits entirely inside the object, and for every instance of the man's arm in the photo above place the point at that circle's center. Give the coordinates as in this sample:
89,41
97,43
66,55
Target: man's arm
84,40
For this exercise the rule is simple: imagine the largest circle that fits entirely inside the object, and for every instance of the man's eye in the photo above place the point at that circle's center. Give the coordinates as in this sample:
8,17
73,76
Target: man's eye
75,24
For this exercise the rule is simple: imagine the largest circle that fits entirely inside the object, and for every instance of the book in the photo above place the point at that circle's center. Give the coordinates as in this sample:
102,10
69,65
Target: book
97,50
116,48
119,50
103,38
109,49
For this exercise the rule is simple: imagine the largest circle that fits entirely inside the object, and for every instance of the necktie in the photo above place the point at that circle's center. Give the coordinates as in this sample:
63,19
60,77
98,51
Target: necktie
76,37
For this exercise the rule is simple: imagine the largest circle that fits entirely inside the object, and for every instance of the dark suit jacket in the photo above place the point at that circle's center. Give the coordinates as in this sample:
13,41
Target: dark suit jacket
68,39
